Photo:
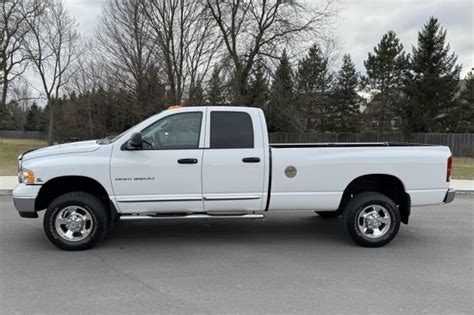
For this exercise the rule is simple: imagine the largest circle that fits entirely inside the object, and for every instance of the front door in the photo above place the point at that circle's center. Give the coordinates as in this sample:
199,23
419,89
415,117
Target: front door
234,163
164,176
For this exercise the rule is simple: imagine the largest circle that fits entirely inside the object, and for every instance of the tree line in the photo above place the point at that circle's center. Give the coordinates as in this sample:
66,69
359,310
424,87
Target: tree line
148,55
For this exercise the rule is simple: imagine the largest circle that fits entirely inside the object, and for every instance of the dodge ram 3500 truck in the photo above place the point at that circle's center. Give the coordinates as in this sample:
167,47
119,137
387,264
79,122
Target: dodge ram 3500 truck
216,162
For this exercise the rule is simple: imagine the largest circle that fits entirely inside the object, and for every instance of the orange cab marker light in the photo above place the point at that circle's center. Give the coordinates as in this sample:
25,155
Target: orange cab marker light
174,106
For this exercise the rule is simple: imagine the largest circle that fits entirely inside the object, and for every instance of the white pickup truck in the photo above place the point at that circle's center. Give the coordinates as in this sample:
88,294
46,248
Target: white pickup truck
216,162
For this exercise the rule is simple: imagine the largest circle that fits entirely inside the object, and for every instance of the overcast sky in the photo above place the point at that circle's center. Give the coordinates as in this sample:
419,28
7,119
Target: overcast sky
361,23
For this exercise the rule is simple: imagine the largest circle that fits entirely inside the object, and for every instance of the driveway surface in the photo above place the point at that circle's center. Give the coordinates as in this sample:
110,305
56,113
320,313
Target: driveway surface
288,263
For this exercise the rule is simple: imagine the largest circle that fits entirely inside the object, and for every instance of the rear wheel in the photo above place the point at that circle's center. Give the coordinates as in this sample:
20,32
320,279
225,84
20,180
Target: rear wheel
75,221
371,219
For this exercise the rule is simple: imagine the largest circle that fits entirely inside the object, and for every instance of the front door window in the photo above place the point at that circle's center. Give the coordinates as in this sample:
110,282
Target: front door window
174,132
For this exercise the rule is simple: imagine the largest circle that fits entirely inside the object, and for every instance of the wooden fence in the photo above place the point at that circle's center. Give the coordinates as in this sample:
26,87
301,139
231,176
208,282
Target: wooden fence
461,144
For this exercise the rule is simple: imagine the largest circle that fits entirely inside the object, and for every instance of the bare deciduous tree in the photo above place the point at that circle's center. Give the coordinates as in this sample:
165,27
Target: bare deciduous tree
90,77
124,34
257,27
13,33
187,42
54,49
91,73
21,94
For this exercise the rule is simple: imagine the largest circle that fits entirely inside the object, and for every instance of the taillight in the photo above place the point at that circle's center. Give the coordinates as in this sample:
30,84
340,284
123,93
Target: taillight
449,169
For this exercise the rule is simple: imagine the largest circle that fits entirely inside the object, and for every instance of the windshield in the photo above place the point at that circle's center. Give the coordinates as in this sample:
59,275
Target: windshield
112,139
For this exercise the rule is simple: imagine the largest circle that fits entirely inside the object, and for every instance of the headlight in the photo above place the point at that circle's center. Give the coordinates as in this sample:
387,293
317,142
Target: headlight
26,176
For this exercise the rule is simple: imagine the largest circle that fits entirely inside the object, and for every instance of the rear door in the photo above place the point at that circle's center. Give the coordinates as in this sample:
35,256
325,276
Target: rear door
233,163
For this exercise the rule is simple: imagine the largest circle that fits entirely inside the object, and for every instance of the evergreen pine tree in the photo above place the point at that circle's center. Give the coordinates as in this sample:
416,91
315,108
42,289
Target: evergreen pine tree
4,117
258,86
12,118
314,81
433,81
196,95
346,101
280,112
461,118
386,68
215,91
33,119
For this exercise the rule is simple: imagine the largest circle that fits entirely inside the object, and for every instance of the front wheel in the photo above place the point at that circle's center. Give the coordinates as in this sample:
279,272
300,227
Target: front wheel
371,219
75,221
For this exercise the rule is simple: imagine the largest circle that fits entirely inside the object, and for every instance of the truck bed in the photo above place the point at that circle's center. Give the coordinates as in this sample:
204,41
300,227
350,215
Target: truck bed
323,170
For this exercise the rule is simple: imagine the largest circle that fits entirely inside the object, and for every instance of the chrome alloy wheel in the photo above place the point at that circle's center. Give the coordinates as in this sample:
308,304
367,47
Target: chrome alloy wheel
74,223
374,221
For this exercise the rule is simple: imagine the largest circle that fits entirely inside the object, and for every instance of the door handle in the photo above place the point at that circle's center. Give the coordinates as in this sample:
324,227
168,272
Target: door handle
187,161
251,160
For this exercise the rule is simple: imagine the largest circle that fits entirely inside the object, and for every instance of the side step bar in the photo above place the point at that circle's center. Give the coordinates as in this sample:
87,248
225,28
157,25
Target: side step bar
191,216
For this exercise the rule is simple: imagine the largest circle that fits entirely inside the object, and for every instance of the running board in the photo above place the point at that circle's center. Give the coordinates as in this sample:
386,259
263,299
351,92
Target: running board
191,216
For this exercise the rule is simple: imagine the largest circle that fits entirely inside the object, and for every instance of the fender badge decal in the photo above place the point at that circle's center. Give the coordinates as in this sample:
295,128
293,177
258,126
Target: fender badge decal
133,178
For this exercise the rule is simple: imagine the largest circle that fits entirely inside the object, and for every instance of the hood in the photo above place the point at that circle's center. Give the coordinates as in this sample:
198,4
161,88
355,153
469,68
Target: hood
73,147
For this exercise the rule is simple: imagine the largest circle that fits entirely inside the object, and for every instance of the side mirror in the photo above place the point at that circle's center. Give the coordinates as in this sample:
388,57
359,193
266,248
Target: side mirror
135,142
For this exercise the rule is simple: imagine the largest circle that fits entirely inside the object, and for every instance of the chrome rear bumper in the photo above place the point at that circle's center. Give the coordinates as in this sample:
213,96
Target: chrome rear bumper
450,194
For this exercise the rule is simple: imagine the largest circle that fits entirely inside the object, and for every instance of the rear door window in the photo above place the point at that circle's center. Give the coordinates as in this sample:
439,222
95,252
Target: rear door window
231,130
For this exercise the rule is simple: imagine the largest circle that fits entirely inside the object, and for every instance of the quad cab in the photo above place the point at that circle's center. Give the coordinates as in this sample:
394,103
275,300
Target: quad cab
217,162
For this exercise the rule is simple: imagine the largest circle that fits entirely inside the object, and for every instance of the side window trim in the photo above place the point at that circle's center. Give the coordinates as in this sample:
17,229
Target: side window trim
202,115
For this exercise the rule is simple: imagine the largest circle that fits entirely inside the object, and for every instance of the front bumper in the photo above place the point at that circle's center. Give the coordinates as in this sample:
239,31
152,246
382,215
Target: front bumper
25,207
24,198
450,194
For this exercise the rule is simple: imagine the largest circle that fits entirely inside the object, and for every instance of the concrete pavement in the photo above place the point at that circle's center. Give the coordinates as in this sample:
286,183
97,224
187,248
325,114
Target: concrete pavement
289,263
7,183
462,185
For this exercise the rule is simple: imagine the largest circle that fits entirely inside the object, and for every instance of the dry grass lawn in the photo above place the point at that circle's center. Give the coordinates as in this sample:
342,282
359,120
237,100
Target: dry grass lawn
10,149
463,168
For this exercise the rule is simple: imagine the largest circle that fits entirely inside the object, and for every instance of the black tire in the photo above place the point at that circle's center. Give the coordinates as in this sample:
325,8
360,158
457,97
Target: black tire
360,202
329,214
112,224
98,224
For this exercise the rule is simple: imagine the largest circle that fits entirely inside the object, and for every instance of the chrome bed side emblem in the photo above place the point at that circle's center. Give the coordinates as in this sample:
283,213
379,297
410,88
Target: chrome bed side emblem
290,171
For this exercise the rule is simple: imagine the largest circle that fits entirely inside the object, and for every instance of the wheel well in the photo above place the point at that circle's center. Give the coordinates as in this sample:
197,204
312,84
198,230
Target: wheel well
61,185
388,185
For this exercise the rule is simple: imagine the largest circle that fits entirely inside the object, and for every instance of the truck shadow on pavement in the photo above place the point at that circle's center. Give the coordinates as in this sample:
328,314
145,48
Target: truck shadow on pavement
277,229
286,230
